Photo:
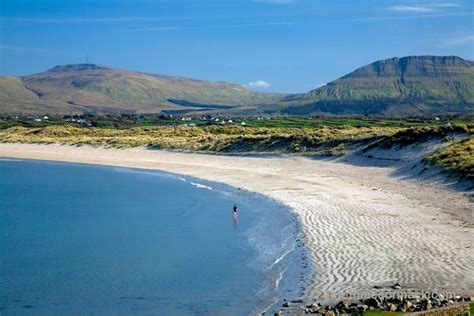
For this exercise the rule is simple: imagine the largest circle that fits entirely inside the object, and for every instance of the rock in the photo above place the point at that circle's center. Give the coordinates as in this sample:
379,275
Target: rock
396,286
342,305
372,302
322,310
330,313
425,304
362,307
277,313
401,308
391,307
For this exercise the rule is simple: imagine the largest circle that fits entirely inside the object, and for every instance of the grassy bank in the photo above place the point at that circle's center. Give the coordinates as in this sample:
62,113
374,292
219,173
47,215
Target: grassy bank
457,158
316,139
206,138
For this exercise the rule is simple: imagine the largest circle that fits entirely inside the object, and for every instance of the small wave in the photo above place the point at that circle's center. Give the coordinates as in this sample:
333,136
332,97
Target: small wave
281,257
201,186
155,173
9,159
279,278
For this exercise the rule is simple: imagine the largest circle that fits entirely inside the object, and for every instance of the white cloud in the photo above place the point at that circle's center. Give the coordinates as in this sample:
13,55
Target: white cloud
445,5
157,29
215,26
411,8
258,84
457,41
404,17
428,7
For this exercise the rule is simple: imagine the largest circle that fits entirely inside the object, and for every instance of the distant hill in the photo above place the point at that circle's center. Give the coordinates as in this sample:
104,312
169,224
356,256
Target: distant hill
92,88
397,86
408,85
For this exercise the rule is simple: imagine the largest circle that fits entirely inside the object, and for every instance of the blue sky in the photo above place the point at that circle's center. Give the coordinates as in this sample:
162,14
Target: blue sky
268,45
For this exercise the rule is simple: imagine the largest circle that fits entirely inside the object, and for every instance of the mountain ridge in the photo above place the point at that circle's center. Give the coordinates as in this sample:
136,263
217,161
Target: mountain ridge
408,85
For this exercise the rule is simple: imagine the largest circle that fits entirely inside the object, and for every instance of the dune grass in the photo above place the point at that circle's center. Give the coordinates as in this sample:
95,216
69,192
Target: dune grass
317,140
206,138
457,157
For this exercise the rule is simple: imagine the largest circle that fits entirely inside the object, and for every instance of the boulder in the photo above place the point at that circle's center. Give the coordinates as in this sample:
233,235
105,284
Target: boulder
298,301
373,302
362,307
391,307
342,305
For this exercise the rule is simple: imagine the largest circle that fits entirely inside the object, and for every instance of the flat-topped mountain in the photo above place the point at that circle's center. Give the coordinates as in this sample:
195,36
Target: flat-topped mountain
408,85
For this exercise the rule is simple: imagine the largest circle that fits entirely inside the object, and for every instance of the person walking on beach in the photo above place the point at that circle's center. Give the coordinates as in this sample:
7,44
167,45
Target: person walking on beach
235,215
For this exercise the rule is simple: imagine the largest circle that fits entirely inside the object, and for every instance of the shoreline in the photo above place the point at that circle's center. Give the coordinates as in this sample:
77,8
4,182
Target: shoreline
362,226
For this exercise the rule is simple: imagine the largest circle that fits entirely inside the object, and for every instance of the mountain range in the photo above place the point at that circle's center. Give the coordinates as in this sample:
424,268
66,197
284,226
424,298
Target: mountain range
397,86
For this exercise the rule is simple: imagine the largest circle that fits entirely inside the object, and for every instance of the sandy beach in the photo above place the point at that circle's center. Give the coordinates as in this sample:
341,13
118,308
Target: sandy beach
363,226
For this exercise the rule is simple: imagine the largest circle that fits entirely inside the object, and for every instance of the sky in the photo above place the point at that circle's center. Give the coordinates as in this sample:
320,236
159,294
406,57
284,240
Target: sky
266,45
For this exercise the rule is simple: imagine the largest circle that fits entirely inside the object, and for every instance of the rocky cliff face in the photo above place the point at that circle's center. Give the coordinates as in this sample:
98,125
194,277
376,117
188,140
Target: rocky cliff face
408,85
422,67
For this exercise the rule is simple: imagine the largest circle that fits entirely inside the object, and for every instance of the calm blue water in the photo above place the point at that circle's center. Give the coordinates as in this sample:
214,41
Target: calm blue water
80,239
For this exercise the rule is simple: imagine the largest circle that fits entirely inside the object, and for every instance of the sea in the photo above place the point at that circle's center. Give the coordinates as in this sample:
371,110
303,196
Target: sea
80,239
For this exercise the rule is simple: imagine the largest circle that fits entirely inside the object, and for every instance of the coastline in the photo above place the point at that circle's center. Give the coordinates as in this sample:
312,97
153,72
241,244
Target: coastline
362,226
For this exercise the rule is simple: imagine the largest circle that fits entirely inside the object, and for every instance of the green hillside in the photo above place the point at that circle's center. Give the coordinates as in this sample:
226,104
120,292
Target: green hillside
408,85
92,88
15,98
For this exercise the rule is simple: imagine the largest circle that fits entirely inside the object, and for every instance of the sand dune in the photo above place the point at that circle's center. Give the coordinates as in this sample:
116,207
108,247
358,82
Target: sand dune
362,226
